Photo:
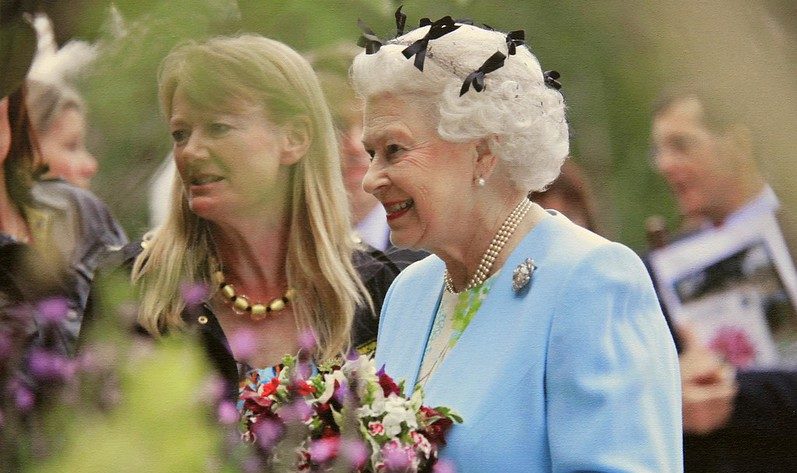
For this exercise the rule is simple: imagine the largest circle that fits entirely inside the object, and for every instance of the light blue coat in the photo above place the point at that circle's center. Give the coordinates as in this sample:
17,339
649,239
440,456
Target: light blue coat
578,374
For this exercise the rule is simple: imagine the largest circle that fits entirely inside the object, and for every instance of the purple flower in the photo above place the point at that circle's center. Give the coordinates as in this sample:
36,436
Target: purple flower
269,432
23,397
324,449
355,452
228,413
243,344
297,411
352,355
307,340
194,294
397,457
53,310
48,366
342,392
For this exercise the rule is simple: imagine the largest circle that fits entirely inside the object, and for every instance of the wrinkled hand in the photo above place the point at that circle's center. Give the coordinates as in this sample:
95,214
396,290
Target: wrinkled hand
708,385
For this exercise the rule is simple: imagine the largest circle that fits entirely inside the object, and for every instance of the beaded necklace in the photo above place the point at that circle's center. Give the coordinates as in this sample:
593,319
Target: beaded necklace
240,303
496,245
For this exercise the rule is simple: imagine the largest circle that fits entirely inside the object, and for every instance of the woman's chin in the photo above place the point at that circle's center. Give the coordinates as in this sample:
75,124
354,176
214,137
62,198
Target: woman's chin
205,209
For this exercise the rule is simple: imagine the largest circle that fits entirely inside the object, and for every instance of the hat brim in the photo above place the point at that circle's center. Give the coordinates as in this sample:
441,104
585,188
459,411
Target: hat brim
17,47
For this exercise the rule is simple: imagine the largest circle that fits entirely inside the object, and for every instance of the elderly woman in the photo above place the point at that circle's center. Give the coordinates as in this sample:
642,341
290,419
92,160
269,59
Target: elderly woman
59,117
255,216
545,337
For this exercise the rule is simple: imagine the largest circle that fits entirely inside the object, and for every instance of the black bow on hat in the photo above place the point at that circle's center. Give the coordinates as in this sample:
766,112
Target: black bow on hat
476,78
551,79
515,39
437,29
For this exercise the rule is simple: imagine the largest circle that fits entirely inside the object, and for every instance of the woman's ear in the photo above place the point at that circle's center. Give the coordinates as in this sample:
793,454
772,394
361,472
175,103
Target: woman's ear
296,140
485,159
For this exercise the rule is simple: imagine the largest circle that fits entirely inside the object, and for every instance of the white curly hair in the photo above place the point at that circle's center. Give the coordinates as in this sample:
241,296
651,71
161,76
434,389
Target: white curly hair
521,117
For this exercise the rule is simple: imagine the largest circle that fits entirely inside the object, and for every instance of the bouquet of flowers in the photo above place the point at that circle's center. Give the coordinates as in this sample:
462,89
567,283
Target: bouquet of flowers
350,412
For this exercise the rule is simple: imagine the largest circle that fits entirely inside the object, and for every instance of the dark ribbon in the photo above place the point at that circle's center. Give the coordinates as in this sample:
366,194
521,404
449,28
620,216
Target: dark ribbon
551,79
369,40
401,20
437,29
515,39
476,78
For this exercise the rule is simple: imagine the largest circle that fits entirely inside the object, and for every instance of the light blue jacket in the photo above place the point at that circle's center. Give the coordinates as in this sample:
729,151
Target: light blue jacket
578,374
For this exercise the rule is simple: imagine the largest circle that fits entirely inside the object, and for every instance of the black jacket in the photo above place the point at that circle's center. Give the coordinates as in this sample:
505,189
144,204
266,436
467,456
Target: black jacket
376,270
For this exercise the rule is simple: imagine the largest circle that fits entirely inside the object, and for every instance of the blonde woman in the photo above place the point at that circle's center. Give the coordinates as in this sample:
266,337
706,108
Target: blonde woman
259,212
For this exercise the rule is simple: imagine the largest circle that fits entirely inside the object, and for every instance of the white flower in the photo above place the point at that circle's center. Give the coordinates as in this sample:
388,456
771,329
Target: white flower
376,408
362,365
329,384
398,412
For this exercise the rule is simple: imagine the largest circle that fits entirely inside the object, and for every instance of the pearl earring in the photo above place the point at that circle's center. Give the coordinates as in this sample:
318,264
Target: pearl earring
480,182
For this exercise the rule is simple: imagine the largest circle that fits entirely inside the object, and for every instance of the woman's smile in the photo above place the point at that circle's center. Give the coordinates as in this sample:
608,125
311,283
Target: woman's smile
396,209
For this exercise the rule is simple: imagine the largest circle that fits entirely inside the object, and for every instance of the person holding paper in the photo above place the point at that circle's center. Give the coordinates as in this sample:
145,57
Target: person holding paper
743,421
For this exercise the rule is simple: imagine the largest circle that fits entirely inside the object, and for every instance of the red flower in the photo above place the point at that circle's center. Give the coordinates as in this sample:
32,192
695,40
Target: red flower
388,385
270,388
303,388
436,431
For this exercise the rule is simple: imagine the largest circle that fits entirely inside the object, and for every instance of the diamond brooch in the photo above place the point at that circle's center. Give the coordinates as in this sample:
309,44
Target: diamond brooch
522,275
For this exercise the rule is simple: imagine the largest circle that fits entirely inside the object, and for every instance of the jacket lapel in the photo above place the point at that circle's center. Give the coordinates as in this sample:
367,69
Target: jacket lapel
411,318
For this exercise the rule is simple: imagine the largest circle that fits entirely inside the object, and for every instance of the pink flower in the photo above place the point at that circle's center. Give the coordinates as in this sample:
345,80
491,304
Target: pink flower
268,432
421,443
735,346
193,294
307,340
355,452
23,397
324,449
53,310
443,466
228,413
397,457
243,344
297,411
376,428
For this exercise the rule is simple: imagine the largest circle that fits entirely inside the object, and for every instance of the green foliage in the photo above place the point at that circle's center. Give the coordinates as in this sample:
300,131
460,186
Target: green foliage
161,424
614,58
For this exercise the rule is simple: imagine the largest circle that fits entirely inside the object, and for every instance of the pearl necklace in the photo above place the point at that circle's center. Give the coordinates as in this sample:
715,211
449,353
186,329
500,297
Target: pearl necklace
492,252
241,304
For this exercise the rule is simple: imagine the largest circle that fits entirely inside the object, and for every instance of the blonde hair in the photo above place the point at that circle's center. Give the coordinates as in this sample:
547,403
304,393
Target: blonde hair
319,256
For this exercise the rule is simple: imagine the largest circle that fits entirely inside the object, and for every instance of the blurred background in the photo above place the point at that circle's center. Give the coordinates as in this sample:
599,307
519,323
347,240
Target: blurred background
614,56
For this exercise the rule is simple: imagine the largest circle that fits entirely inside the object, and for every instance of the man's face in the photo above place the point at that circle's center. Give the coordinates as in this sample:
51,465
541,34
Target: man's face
695,162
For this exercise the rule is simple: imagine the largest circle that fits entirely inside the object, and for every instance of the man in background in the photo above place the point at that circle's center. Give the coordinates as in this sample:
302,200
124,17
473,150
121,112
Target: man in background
743,421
